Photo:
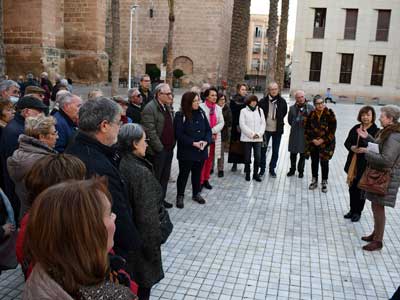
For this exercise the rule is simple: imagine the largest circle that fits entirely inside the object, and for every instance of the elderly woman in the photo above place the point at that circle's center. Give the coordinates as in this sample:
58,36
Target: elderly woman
388,157
145,196
216,120
7,113
319,130
39,140
76,215
356,162
193,133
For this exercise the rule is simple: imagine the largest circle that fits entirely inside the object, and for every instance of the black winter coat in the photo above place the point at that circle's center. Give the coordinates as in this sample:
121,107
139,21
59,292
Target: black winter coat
135,113
102,160
351,140
145,196
189,131
281,111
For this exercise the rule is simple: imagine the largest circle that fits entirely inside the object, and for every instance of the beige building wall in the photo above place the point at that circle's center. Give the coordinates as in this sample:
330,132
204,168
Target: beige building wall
334,44
253,51
201,43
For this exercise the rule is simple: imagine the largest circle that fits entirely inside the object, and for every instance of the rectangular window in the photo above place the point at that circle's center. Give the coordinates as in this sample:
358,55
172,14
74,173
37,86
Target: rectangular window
315,66
346,68
256,47
378,69
319,23
382,28
258,31
350,28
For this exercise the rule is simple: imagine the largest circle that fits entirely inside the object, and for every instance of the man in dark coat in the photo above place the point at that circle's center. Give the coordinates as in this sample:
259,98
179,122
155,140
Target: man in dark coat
157,120
145,90
28,106
298,112
30,81
98,131
134,110
275,110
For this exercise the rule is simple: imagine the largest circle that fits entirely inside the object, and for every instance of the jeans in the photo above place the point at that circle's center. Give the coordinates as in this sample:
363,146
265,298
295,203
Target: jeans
162,162
300,165
276,141
315,161
248,146
185,167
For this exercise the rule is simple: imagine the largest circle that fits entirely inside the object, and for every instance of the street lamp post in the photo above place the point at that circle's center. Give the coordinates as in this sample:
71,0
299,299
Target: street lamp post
132,12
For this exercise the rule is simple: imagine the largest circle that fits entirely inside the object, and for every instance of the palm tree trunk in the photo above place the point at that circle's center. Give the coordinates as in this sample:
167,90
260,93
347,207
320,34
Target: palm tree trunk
170,56
116,50
238,46
282,44
2,59
271,36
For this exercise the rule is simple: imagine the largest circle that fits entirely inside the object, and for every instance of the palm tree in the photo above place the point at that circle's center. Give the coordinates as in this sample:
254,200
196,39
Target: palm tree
238,46
271,36
116,49
2,60
282,44
170,56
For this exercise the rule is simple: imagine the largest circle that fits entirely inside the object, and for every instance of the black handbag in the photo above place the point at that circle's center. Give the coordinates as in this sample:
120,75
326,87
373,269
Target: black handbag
166,225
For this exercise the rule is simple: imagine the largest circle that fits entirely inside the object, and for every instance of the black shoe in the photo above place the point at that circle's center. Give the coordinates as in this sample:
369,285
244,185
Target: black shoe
272,173
356,217
212,171
349,215
167,204
247,176
199,199
234,168
257,178
290,173
220,173
262,172
301,175
179,201
207,185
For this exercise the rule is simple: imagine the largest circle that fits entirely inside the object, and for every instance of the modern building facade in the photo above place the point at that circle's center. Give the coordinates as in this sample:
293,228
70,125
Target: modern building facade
349,46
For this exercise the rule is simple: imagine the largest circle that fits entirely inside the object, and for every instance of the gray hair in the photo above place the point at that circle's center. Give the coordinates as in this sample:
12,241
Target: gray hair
159,87
132,91
299,92
93,112
391,111
128,135
35,126
5,85
29,76
64,98
64,82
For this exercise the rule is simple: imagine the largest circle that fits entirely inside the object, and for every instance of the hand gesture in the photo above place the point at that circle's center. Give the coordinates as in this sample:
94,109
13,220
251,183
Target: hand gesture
197,145
8,228
256,136
203,144
362,133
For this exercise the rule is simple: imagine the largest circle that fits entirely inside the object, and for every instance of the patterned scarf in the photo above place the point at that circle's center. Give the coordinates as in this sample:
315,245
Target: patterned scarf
213,115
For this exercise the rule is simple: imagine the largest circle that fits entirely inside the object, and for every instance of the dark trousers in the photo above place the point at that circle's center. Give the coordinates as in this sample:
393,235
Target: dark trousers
185,167
162,162
300,165
248,146
276,141
315,161
144,293
357,197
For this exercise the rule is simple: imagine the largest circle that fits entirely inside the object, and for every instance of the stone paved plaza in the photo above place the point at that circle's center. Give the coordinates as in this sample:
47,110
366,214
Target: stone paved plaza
272,240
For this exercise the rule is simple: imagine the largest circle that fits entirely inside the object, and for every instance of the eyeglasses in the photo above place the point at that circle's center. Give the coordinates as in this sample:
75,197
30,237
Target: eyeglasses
168,94
319,103
140,95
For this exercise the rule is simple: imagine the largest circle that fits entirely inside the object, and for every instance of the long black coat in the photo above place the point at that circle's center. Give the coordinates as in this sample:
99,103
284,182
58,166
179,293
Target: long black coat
236,105
351,140
102,160
145,196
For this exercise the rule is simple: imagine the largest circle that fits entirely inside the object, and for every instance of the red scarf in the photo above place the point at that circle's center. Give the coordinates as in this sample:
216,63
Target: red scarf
213,115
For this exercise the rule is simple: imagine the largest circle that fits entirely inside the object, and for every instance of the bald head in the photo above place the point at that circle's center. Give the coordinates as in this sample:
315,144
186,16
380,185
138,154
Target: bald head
300,96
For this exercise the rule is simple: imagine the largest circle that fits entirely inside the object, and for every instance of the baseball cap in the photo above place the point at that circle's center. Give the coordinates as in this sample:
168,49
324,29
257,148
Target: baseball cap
31,102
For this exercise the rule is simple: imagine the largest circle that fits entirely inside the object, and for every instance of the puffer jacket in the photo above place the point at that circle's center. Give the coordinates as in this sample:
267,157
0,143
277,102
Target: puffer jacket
251,122
19,164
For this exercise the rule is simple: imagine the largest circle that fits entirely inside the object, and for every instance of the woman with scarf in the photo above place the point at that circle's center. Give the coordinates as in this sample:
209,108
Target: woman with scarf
252,127
388,158
216,120
320,129
236,151
356,162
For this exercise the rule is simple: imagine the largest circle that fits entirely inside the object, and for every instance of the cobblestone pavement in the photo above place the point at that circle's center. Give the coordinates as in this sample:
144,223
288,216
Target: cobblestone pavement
272,240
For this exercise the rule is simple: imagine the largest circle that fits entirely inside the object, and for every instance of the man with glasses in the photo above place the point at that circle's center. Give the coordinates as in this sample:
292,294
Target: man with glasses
145,89
157,120
134,110
320,129
275,109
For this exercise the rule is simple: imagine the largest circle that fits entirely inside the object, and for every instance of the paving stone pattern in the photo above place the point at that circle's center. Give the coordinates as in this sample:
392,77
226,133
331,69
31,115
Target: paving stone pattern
272,240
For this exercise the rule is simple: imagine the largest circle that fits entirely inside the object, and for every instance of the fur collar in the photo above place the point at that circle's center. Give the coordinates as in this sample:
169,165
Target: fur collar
387,131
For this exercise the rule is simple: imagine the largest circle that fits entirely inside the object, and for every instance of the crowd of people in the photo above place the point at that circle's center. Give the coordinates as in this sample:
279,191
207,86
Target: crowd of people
84,183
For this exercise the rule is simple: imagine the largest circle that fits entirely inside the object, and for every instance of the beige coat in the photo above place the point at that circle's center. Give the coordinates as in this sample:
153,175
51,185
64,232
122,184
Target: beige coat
217,128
